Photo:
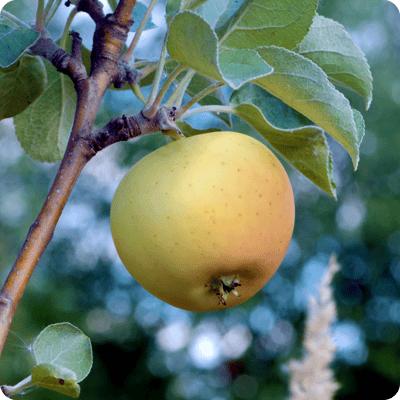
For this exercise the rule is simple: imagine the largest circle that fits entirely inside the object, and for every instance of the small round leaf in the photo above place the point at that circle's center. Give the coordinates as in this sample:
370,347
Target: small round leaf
66,346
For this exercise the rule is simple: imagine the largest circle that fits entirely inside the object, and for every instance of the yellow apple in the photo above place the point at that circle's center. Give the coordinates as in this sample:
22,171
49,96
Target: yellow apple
204,222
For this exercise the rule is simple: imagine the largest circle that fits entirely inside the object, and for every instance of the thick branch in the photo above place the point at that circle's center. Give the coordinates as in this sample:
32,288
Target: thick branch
123,11
109,39
93,7
40,233
125,128
68,64
126,74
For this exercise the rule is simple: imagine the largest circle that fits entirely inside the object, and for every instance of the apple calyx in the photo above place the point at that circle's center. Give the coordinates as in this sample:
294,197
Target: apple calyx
223,285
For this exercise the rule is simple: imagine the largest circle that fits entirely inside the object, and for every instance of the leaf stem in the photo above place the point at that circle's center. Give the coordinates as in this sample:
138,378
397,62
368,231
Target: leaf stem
157,102
14,19
48,7
65,34
40,17
179,92
50,10
150,67
139,94
19,387
128,54
203,109
198,97
148,111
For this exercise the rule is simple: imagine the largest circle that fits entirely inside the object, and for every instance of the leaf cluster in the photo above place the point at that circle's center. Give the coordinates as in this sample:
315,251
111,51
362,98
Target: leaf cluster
281,61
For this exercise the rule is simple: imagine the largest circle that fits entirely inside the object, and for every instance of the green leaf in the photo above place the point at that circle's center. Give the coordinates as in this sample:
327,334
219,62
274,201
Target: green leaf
21,84
14,42
172,8
241,66
190,4
297,139
255,23
137,16
193,42
43,128
5,21
25,10
188,130
57,378
212,10
329,46
66,346
302,85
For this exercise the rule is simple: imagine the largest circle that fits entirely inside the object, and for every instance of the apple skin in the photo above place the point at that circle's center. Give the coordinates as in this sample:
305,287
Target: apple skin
214,205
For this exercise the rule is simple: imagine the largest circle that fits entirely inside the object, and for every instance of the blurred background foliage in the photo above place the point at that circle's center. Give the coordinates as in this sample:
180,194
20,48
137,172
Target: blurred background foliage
146,349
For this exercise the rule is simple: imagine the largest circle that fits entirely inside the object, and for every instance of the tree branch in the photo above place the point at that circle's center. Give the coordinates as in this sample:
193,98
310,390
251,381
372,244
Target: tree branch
70,65
93,7
40,234
108,41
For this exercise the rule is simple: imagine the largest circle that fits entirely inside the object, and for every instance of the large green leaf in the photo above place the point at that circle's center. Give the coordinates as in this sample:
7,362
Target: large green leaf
20,84
55,377
43,128
14,42
193,43
329,46
303,85
255,23
291,134
66,346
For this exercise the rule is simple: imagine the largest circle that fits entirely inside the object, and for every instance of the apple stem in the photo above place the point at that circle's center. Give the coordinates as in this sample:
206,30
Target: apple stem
224,285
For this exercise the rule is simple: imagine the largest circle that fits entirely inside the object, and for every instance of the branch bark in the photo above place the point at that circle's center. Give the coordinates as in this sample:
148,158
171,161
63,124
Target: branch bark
109,39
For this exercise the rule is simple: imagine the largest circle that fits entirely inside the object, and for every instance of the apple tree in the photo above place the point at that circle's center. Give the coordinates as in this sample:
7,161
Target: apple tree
278,66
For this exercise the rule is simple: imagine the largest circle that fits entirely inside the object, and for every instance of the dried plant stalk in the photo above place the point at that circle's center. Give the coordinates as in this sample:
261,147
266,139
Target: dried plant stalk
311,377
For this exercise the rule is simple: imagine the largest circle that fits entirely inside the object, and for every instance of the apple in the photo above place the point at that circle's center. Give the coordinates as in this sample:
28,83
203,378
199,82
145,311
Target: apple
204,222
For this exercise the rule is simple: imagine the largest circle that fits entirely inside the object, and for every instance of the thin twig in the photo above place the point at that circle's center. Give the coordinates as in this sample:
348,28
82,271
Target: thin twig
50,10
147,111
157,102
40,17
128,54
177,95
195,99
65,34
